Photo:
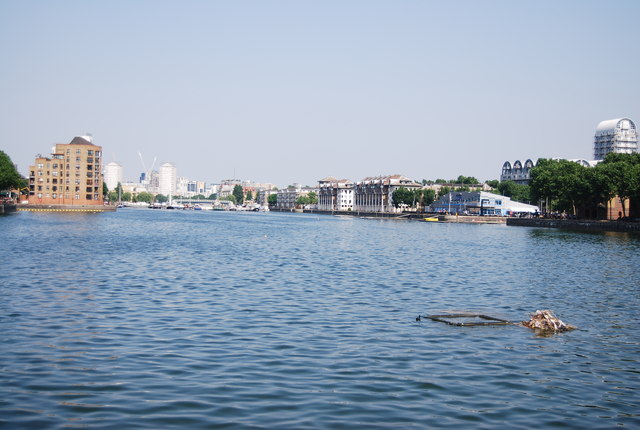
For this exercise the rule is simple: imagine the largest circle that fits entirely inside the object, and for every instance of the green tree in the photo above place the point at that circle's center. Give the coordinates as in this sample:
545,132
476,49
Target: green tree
302,200
9,176
402,196
467,180
493,183
313,198
272,199
623,171
238,193
105,189
213,196
145,197
425,197
112,196
444,191
517,192
230,198
126,196
161,198
249,195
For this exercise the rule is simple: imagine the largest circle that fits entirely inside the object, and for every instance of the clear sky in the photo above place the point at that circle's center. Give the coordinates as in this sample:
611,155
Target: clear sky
294,91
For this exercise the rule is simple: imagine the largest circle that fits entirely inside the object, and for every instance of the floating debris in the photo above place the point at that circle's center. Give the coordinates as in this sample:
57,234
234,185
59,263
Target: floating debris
547,321
466,319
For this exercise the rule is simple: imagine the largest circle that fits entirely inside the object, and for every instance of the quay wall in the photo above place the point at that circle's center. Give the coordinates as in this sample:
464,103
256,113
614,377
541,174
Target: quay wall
7,208
571,224
66,208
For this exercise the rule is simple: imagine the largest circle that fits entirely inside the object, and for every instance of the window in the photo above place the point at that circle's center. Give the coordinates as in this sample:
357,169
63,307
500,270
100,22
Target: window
40,166
77,196
77,151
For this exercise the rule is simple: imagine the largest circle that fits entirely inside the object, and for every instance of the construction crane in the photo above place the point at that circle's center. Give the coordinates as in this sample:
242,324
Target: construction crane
144,166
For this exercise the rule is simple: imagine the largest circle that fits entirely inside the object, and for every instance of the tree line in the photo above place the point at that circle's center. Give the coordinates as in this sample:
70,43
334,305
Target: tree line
566,186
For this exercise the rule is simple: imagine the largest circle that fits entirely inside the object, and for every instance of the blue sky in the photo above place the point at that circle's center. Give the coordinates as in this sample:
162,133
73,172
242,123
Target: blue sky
293,91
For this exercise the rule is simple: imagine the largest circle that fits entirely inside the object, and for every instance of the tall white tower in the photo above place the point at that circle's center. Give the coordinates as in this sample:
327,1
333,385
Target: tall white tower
113,175
167,179
615,135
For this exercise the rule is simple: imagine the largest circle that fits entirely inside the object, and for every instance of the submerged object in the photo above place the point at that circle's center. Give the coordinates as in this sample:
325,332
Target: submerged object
466,319
546,321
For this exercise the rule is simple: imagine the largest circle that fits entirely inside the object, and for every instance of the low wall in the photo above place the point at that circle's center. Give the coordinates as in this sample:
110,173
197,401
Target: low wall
66,208
571,224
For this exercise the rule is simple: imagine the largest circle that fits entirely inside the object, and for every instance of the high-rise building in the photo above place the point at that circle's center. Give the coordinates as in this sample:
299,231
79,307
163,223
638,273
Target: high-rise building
113,175
168,179
71,176
615,135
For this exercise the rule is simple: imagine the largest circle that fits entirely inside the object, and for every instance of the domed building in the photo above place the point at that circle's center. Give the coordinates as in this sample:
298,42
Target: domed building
615,135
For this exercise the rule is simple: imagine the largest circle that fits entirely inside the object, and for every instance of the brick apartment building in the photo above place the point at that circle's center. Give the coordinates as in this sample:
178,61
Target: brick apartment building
71,176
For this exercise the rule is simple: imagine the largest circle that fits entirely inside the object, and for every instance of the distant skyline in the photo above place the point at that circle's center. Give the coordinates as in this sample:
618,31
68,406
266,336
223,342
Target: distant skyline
294,91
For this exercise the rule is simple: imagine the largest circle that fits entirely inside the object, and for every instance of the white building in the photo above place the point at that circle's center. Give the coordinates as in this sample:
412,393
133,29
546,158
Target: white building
375,194
335,194
480,203
167,183
615,135
112,175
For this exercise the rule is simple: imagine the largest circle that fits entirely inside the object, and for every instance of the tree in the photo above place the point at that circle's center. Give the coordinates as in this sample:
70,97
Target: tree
623,171
161,198
425,197
105,189
145,197
249,195
213,196
238,194
443,191
230,198
126,196
9,176
517,192
302,200
313,198
493,183
402,196
272,199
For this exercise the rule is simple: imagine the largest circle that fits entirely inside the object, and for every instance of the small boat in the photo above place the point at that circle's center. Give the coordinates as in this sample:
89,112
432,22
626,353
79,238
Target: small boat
431,219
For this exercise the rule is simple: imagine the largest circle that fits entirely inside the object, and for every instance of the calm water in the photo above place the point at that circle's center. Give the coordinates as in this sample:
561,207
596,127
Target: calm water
175,319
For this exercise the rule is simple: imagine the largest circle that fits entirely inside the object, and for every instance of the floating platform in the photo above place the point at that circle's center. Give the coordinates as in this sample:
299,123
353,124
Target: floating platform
468,319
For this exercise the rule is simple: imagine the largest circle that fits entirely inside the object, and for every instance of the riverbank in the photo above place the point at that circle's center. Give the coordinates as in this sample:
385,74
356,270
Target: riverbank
66,208
579,225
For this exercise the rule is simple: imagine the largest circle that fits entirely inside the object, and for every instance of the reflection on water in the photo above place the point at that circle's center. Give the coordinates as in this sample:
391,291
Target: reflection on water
161,319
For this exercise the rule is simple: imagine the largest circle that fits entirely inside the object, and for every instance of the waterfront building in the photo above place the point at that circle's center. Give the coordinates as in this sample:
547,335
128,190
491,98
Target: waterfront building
615,135
113,175
287,197
167,179
71,176
335,194
480,203
263,196
517,172
375,194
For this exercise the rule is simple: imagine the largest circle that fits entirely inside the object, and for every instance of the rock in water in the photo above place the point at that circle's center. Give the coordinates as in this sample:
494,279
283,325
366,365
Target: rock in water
546,321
